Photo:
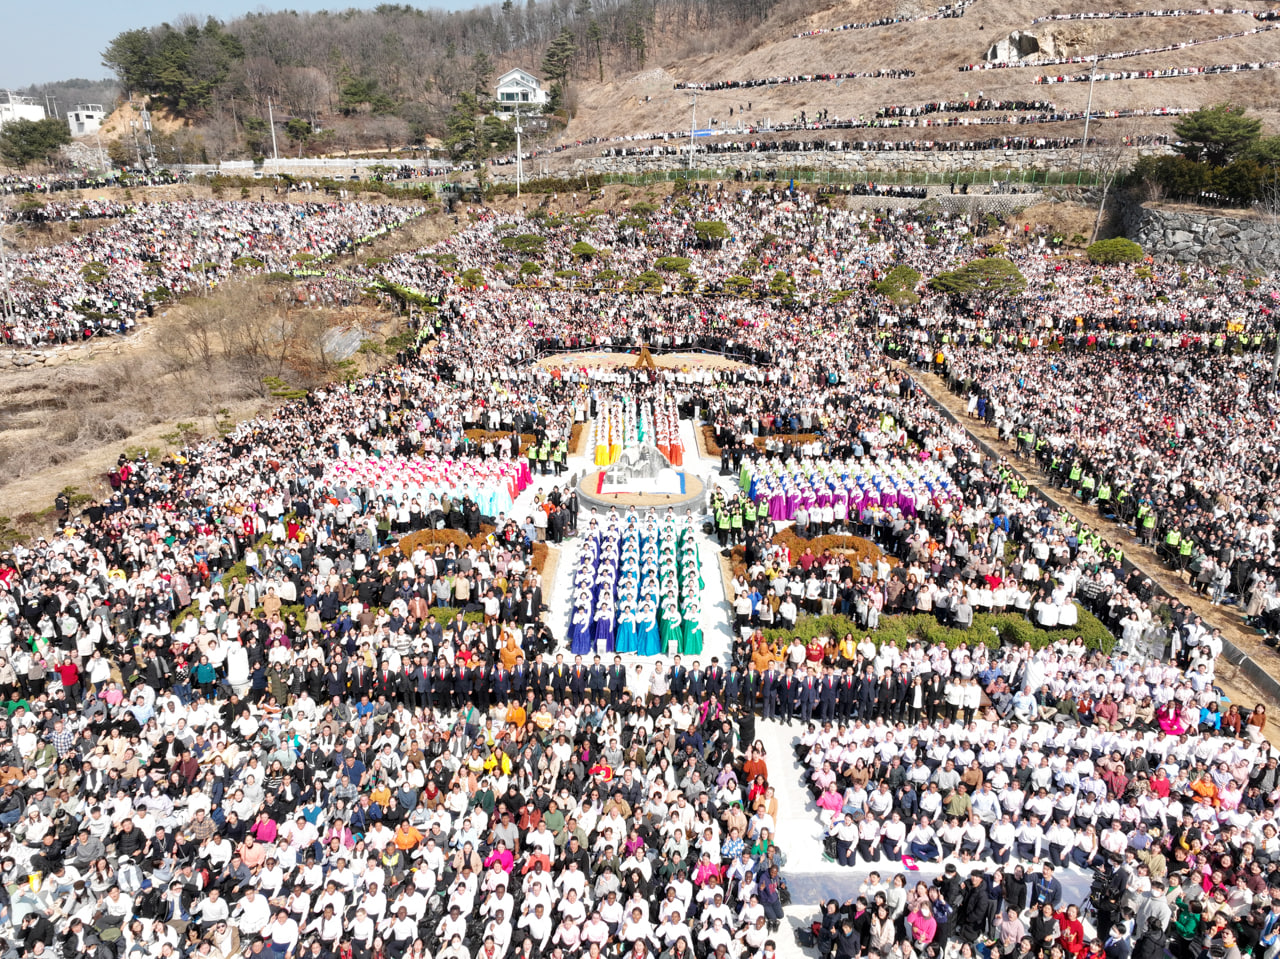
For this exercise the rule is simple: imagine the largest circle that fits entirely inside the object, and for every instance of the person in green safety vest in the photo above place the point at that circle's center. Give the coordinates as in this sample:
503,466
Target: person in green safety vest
748,516
1073,478
735,525
1184,552
1148,524
1171,540
722,526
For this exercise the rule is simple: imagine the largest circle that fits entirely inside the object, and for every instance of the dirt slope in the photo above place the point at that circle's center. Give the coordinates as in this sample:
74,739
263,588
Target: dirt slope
646,101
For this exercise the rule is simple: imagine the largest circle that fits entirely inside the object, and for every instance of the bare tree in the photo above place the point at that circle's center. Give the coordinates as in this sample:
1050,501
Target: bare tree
1268,205
1111,158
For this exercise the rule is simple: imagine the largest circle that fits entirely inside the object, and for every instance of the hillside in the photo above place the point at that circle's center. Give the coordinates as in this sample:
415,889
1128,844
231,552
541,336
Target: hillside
384,78
644,101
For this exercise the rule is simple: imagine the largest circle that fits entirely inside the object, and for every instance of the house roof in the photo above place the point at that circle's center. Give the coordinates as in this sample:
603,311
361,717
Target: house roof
518,73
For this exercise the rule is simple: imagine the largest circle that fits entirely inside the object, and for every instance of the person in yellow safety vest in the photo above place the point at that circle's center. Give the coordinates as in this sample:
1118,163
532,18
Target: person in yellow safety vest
722,527
1148,527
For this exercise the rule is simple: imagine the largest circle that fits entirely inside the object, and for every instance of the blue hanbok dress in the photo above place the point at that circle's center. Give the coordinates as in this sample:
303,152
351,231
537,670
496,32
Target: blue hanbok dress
603,631
647,639
580,632
626,638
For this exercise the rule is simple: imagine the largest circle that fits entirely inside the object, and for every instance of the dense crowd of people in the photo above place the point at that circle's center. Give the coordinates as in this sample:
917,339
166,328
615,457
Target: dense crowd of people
99,282
19,183
946,11
883,74
1144,14
1114,55
1209,69
292,691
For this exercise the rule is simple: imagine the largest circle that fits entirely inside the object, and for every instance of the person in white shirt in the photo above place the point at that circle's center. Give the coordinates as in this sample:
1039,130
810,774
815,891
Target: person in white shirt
283,933
538,923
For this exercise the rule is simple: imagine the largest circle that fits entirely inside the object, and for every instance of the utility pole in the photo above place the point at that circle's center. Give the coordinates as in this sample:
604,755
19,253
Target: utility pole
693,112
275,154
519,158
137,148
1088,110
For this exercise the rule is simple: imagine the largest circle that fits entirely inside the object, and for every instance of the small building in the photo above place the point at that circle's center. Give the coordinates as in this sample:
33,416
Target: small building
15,107
85,118
520,88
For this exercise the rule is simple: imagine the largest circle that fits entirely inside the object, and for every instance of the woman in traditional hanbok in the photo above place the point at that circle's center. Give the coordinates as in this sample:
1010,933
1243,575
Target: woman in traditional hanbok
580,632
647,643
603,632
691,634
626,638
669,629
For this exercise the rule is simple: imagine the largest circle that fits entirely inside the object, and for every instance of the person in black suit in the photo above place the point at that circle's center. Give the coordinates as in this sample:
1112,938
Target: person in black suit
827,696
769,683
935,695
539,678
789,696
441,687
617,681
678,679
508,608
577,681
528,610
560,679
807,696
422,683
715,678
697,682
519,680
462,688
501,684
359,682
752,679
481,683
386,683
867,694
846,694
596,680
1116,946
732,690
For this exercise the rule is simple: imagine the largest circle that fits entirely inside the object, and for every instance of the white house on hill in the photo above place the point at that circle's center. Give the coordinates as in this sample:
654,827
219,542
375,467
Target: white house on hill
15,107
86,118
520,88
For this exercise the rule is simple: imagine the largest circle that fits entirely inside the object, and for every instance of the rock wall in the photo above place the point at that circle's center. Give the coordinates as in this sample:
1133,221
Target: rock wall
1195,236
907,161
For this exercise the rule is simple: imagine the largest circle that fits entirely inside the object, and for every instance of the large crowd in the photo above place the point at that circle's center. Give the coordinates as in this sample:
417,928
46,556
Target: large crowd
293,691
947,11
1208,69
101,281
1116,54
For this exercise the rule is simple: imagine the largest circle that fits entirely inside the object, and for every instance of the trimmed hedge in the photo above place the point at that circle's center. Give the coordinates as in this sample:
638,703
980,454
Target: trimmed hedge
857,546
989,629
429,538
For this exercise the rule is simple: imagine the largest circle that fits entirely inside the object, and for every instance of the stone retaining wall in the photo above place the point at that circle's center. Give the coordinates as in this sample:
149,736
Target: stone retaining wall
906,161
1201,236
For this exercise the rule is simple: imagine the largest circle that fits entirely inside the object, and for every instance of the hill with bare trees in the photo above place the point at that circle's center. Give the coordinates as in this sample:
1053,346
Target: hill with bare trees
397,75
